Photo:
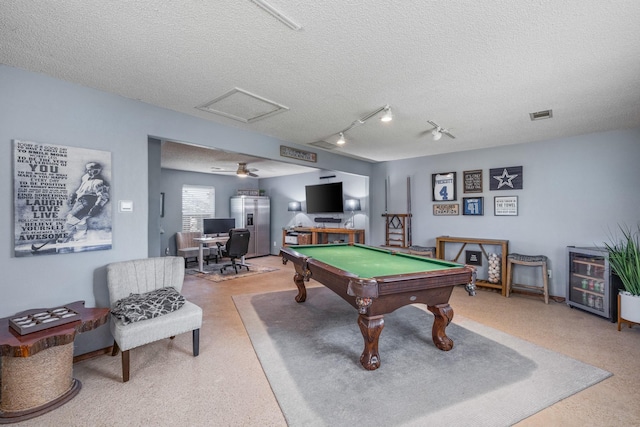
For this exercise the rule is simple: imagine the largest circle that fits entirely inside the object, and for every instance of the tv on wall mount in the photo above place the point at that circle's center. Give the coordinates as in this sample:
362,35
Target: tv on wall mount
324,198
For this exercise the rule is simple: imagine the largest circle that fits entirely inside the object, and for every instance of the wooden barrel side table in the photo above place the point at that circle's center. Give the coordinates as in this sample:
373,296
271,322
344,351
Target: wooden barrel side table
36,369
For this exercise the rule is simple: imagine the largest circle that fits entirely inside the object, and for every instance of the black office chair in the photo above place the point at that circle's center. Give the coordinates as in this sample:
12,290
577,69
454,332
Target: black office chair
236,247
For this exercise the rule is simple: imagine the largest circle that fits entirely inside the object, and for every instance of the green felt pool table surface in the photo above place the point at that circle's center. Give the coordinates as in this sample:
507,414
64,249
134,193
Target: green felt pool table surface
367,261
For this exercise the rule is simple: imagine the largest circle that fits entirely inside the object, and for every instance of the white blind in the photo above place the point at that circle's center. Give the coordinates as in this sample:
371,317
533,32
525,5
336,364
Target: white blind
198,202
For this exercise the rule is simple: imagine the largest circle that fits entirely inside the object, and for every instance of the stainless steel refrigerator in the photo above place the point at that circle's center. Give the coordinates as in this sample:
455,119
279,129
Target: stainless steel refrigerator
254,214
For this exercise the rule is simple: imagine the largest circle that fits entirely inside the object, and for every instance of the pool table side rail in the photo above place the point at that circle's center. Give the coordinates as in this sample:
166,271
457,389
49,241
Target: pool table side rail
424,280
326,273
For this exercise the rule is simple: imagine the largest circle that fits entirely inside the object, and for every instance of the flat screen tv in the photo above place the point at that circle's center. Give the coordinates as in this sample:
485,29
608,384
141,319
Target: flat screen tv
217,225
324,198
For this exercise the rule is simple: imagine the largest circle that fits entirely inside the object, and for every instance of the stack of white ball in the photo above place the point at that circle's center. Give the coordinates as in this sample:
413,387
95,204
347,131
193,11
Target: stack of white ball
494,268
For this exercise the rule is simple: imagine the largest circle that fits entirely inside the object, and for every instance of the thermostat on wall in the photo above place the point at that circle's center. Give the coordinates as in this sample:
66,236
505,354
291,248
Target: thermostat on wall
126,205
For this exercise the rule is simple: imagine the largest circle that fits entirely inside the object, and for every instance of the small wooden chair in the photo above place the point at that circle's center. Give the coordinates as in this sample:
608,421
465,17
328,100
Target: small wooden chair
530,261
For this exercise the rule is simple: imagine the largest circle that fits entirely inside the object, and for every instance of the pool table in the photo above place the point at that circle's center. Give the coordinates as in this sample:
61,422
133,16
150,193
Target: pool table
378,281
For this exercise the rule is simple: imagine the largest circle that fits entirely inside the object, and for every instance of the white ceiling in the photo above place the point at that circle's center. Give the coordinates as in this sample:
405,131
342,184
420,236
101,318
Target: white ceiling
477,68
194,158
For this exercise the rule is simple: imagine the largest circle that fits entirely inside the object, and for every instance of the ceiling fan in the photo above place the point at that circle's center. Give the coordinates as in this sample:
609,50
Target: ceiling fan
242,170
438,131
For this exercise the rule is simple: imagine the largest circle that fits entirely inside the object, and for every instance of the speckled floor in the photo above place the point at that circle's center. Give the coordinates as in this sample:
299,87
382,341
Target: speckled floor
225,385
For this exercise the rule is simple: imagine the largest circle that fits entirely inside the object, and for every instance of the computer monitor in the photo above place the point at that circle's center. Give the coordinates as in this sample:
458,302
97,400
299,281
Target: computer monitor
217,226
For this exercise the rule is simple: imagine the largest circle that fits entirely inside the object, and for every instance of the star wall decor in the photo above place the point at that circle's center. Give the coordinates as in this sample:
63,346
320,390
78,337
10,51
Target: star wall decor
506,178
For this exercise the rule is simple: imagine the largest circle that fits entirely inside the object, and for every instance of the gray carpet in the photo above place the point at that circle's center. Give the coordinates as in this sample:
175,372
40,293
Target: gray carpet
310,354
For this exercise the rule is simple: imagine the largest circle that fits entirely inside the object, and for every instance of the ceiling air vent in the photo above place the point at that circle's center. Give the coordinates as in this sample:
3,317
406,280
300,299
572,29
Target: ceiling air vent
539,115
323,144
243,106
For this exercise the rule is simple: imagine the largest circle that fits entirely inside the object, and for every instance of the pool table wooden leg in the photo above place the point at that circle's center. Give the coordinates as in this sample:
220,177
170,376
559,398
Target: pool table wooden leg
371,327
298,279
443,313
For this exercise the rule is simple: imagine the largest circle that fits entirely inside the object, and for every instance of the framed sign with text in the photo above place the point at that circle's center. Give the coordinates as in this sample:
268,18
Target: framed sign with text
473,258
294,153
505,206
472,181
444,209
444,186
61,199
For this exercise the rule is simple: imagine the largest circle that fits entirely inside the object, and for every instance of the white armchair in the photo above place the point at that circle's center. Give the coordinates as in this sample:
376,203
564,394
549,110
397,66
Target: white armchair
141,277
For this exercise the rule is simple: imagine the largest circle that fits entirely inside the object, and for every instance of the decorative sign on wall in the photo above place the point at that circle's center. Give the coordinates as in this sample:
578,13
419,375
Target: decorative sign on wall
294,153
61,197
444,186
472,181
473,206
506,206
441,209
509,178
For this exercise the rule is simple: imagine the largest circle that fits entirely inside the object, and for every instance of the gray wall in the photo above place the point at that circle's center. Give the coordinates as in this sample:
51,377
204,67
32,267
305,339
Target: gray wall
575,192
283,190
280,191
42,109
575,189
171,183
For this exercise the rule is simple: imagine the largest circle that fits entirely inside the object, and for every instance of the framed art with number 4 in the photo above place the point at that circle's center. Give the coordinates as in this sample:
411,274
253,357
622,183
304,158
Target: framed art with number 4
473,206
444,186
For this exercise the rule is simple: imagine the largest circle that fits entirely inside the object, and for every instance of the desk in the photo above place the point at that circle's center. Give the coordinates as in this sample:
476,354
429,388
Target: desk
504,247
378,281
320,235
206,240
37,368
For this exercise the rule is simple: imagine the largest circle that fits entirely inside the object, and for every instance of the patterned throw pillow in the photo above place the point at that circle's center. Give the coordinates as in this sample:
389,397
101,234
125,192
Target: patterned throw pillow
137,307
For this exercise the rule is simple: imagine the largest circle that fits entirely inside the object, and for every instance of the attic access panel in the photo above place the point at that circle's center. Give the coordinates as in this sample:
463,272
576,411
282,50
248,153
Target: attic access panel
243,106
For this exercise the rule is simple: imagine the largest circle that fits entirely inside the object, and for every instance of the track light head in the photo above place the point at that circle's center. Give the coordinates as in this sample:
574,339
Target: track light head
437,133
341,141
388,115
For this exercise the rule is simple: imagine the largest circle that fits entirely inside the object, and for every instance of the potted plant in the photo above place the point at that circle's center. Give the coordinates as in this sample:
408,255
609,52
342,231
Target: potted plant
624,259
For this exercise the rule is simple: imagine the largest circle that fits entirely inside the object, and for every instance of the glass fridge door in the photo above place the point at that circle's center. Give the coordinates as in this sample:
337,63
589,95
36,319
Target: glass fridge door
587,282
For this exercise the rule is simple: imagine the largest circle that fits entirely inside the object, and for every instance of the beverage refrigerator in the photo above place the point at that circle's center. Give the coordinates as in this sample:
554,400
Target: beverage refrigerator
591,284
254,214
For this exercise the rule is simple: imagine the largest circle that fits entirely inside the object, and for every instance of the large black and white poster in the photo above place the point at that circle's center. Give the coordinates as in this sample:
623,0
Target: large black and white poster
61,199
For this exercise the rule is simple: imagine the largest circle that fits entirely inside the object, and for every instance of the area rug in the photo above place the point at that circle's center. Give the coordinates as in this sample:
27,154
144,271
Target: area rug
310,354
213,272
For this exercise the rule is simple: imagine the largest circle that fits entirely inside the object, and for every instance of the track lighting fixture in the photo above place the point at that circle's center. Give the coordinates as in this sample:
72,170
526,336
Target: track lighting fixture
388,115
277,14
438,130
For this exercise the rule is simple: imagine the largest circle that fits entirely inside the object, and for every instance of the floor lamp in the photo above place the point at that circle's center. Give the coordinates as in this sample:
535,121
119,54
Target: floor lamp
352,205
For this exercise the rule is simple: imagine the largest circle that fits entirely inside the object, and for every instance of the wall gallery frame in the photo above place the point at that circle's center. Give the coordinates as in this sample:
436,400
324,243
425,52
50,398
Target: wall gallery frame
506,178
61,199
505,206
445,209
473,206
444,186
472,181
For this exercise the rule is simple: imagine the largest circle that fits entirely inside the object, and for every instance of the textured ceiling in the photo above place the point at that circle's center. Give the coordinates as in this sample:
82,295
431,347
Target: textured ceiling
477,68
194,158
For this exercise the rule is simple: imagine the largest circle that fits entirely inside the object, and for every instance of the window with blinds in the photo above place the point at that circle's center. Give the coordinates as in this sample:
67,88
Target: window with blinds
198,202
